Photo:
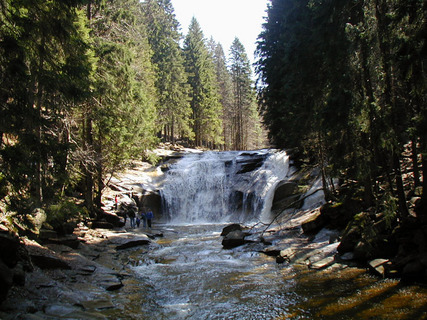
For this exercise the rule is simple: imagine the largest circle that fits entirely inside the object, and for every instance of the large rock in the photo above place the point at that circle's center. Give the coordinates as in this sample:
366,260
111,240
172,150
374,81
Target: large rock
286,196
112,218
285,189
247,162
232,227
133,243
314,224
338,215
234,239
6,280
43,257
152,200
49,262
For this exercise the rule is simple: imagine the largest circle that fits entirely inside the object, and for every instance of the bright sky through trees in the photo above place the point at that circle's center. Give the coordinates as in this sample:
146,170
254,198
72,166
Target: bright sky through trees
224,20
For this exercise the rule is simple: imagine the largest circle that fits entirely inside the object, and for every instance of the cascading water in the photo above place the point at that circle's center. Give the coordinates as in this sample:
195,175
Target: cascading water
223,186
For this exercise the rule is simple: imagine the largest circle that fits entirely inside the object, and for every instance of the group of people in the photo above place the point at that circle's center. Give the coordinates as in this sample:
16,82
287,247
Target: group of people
144,217
136,215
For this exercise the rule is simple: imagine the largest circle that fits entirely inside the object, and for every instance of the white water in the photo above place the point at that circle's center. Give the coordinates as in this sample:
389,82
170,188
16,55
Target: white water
204,188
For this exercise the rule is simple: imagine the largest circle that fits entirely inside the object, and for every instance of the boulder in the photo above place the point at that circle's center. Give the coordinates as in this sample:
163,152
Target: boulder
36,220
43,257
284,190
49,262
71,241
322,264
232,227
9,244
6,280
272,251
112,218
99,224
234,239
286,255
314,224
338,215
377,266
133,243
247,162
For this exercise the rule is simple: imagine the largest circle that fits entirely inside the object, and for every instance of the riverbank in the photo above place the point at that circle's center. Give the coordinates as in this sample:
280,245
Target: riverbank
134,274
76,283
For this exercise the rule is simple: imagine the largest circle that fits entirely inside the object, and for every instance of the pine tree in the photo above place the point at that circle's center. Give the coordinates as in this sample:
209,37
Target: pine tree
205,103
45,68
223,78
118,121
244,114
174,111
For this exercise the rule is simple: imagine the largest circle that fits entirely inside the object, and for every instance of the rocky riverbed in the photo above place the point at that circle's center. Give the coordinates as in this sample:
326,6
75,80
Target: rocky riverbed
75,282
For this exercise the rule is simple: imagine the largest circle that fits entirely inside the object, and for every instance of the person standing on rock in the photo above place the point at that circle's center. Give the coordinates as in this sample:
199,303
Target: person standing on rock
144,219
149,216
116,202
131,214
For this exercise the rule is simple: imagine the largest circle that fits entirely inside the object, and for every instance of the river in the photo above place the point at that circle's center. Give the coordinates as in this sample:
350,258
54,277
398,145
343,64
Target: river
188,275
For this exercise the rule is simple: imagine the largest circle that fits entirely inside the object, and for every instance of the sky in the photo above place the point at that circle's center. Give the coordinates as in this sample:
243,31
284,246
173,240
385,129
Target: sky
224,20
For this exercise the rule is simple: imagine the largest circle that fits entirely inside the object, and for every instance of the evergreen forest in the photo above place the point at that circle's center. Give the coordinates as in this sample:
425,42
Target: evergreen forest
343,85
87,86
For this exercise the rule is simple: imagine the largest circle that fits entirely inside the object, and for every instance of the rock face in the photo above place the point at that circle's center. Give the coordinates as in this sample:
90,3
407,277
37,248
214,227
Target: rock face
250,162
286,195
14,260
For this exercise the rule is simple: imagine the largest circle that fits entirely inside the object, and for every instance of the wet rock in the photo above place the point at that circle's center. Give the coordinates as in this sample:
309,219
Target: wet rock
111,283
285,189
100,304
322,264
314,224
230,228
234,239
247,162
376,266
49,262
272,251
61,310
286,255
87,269
101,225
133,243
111,218
71,241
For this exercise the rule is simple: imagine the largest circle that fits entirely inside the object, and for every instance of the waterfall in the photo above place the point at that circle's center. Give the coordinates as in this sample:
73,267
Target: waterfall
222,186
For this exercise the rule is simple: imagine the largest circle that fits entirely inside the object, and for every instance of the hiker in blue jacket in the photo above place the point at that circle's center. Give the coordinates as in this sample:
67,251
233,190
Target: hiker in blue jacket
149,216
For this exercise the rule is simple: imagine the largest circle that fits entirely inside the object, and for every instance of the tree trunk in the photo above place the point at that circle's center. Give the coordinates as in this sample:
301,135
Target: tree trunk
87,166
422,208
403,208
414,156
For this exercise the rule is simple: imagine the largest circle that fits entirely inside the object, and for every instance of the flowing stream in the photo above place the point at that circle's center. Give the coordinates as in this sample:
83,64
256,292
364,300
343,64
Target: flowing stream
187,274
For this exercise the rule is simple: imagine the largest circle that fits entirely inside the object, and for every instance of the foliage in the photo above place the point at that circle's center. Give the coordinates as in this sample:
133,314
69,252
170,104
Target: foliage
87,86
205,104
339,82
64,211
